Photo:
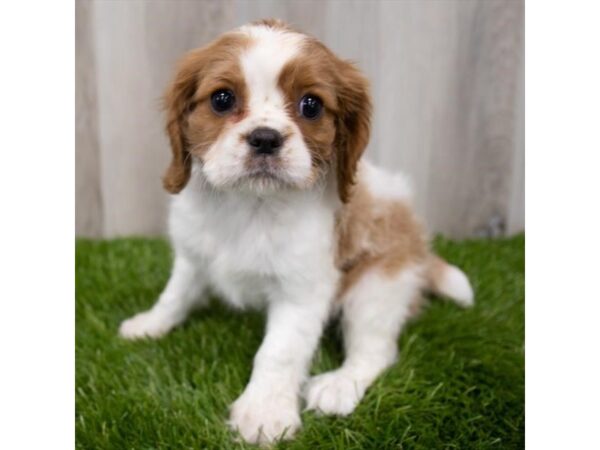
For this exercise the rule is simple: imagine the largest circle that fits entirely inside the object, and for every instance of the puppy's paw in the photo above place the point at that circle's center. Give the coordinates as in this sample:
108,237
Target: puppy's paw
147,324
333,393
262,416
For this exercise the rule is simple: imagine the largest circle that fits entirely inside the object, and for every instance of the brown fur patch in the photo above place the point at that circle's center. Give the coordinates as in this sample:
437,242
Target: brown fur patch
273,23
312,72
353,125
192,126
374,232
342,132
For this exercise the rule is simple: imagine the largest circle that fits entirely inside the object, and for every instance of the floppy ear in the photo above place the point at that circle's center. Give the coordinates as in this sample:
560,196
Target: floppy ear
178,102
353,126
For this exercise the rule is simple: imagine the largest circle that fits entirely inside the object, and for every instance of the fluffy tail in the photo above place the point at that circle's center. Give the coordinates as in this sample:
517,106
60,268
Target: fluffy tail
449,281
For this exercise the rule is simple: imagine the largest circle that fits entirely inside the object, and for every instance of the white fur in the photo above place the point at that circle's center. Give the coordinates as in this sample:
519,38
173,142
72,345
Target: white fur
183,291
455,285
254,252
383,184
374,311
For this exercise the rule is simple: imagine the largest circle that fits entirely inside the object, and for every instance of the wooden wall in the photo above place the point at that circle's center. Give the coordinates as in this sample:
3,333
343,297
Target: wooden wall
448,86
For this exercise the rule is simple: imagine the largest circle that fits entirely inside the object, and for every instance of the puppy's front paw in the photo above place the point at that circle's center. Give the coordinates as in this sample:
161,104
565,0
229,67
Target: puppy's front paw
150,324
333,393
261,416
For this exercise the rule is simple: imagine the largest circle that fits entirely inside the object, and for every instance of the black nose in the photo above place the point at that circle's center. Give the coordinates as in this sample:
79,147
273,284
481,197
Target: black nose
265,141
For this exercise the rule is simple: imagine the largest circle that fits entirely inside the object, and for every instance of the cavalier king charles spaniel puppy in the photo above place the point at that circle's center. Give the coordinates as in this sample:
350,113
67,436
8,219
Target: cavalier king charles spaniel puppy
274,207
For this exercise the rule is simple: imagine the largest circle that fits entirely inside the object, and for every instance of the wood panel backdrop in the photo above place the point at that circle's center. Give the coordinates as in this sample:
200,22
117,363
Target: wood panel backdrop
447,79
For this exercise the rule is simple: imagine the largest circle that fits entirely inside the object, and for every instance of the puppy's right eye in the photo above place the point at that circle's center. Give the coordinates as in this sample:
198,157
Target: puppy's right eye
310,107
222,101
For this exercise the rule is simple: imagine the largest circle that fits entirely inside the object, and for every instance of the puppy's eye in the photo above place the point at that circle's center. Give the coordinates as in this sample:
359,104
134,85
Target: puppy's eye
222,101
310,107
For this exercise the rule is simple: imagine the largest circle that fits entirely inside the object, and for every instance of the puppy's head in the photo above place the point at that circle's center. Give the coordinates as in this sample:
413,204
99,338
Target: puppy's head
265,108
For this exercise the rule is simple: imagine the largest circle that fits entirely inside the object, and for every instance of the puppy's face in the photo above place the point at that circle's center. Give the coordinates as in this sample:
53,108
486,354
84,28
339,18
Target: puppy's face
265,108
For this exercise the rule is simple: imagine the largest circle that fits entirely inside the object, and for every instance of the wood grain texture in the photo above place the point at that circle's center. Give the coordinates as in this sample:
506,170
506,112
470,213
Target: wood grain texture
88,213
447,80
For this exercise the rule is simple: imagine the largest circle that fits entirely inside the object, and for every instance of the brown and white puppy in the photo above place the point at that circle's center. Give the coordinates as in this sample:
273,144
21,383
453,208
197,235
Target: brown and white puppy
275,208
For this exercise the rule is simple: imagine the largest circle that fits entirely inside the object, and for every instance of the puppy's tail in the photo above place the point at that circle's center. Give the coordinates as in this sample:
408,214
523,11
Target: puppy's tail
449,281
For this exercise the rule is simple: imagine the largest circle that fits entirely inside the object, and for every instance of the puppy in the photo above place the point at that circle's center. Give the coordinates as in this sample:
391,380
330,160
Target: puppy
275,208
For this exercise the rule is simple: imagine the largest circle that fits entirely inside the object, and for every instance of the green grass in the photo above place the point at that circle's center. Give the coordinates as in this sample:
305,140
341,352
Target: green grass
459,383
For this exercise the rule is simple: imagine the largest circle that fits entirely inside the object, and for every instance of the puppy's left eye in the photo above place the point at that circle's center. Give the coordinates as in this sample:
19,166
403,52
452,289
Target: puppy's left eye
310,107
222,101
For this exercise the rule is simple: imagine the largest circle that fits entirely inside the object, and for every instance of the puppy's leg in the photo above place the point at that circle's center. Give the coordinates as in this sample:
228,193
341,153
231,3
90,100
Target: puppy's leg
182,293
374,311
268,409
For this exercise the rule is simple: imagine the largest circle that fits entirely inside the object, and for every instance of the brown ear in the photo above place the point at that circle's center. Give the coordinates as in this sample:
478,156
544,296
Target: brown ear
178,103
353,127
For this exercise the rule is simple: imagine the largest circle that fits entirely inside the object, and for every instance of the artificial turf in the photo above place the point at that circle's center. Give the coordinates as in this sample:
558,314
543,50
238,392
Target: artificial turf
459,383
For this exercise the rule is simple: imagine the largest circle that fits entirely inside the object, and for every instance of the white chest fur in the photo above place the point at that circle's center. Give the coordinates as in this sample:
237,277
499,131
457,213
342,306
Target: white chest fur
249,245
